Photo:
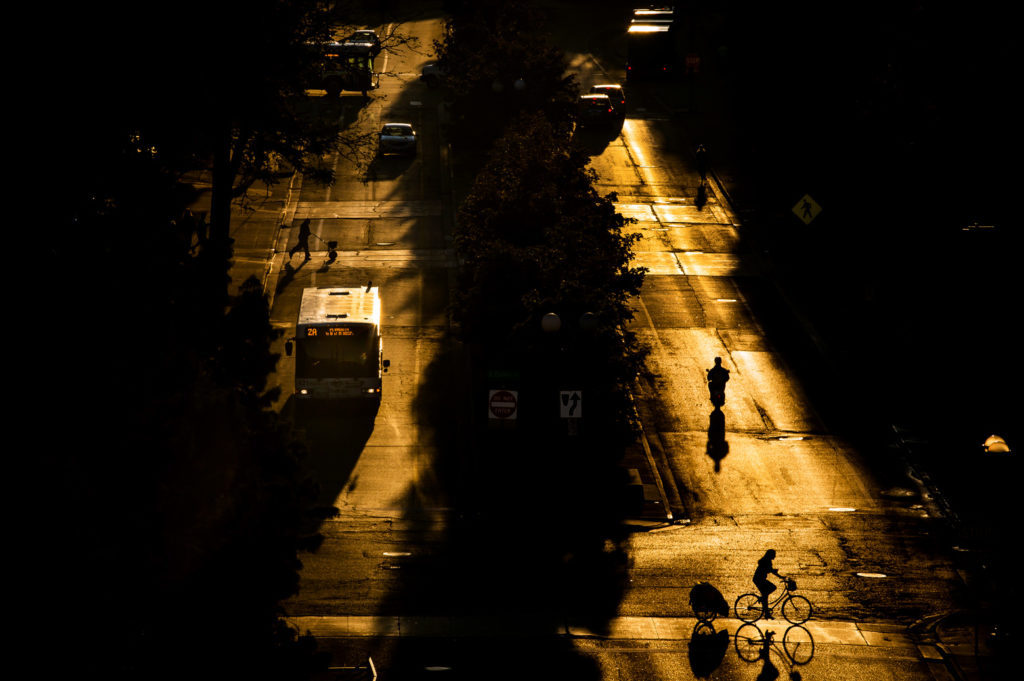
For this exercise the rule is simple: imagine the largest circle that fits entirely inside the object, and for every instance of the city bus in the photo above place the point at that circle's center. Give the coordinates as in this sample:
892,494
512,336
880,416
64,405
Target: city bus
651,43
347,65
337,344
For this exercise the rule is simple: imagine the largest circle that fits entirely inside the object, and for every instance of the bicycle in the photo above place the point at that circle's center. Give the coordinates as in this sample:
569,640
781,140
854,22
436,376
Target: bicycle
796,609
752,645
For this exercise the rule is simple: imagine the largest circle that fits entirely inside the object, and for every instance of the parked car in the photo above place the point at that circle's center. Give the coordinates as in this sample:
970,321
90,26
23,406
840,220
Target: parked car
397,138
368,37
596,111
615,94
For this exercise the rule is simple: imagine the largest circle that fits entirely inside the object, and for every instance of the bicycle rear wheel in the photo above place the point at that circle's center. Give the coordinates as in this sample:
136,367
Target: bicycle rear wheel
749,642
749,608
796,609
798,644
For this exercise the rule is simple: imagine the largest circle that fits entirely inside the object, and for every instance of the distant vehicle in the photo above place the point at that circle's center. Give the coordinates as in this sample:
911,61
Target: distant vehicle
338,348
432,74
615,94
397,138
367,37
346,66
596,111
651,43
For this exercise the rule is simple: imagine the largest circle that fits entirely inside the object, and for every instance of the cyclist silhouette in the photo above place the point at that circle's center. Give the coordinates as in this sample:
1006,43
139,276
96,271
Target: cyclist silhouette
761,581
718,376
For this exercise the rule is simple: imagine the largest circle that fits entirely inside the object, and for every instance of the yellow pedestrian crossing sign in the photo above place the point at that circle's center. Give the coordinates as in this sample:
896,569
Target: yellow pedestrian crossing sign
806,209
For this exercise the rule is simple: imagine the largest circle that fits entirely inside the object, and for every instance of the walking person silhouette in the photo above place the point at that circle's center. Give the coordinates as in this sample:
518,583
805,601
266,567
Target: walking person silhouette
702,162
303,240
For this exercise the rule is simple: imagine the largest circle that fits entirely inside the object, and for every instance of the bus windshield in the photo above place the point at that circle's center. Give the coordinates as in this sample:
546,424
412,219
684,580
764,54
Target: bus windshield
352,355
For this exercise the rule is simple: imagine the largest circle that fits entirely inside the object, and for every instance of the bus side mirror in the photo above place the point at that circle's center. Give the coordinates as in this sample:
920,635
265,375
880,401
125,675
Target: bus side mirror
288,348
386,364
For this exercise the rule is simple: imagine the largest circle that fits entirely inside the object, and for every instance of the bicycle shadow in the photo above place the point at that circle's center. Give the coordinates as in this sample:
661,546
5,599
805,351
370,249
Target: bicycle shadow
753,645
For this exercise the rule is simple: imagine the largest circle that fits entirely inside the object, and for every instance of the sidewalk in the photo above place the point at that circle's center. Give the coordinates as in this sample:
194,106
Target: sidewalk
255,228
966,643
620,628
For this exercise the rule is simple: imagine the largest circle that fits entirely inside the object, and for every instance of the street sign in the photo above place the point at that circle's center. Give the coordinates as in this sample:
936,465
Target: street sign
571,404
806,209
502,404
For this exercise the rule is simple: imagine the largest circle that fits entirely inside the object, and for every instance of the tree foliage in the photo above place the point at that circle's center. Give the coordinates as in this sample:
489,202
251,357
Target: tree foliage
187,495
498,63
536,237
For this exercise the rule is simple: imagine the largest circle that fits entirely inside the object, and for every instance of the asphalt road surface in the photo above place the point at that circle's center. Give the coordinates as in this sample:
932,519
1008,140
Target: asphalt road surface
764,472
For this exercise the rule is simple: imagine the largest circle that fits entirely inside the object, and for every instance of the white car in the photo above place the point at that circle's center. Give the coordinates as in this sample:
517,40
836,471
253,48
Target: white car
397,138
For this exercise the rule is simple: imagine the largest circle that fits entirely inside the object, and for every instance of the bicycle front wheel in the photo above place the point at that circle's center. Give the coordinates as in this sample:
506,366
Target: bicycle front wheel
749,642
796,610
749,608
798,644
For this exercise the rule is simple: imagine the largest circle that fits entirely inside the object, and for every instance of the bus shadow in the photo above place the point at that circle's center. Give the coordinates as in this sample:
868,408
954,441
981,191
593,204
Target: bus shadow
334,434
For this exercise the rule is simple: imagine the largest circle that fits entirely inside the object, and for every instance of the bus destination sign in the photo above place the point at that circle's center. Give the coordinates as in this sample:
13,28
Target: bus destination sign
323,331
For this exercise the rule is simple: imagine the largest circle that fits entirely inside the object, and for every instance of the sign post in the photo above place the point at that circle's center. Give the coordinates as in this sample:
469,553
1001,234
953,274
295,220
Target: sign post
570,406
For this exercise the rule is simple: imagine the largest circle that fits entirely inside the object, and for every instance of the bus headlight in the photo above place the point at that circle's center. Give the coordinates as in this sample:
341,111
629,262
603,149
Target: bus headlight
372,391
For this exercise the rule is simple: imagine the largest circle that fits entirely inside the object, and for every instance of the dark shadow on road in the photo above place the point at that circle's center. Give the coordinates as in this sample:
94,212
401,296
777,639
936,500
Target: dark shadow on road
717,446
287,276
593,139
334,432
388,167
533,541
706,649
519,533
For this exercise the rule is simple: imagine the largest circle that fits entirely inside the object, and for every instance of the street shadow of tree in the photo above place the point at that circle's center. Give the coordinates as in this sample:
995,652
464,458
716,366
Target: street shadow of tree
387,167
533,542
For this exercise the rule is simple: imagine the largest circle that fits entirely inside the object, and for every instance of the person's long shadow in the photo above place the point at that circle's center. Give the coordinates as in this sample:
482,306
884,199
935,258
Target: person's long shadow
288,273
717,447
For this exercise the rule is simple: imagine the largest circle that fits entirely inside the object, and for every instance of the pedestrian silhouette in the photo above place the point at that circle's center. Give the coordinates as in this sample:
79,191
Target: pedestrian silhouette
702,161
303,240
808,211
